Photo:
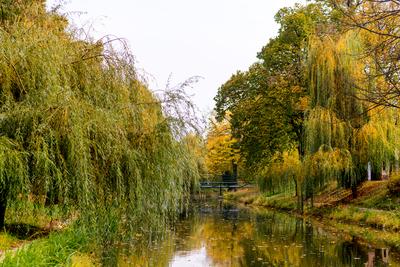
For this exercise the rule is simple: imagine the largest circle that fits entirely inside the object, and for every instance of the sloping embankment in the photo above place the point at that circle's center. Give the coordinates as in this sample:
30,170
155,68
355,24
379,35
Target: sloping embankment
374,215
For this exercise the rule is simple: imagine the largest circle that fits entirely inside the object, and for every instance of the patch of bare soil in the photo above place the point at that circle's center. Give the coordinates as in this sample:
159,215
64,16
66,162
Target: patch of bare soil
332,197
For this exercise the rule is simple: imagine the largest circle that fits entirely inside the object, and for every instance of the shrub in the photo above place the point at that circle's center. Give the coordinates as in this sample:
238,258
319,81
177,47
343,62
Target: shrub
394,184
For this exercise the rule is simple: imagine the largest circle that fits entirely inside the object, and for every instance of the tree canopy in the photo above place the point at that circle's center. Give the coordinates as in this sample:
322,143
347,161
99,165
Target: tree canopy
377,22
306,114
80,129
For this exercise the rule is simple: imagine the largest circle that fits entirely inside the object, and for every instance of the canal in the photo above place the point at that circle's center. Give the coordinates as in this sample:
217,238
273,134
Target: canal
220,234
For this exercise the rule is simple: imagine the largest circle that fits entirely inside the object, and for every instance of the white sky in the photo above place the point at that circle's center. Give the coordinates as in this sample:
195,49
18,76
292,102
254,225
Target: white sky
184,38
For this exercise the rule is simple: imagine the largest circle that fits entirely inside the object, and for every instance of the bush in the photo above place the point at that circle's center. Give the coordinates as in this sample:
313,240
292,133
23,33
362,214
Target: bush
394,184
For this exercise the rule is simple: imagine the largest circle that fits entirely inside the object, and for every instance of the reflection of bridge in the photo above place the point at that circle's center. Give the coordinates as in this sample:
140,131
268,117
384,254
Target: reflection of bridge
208,184
229,185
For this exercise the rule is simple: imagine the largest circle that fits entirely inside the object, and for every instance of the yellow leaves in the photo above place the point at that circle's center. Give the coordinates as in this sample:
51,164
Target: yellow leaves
378,140
333,69
82,260
280,174
303,103
330,161
221,149
195,144
288,165
216,235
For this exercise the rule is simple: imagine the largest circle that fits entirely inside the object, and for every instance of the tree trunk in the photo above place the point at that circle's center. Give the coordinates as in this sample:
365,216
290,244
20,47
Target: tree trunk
3,206
354,192
300,202
376,172
234,170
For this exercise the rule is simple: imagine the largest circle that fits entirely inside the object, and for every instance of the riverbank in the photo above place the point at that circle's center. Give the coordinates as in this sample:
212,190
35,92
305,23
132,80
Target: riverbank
256,233
374,215
36,235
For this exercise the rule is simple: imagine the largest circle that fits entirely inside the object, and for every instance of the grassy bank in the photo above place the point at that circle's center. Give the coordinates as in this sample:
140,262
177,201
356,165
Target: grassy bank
36,235
28,221
58,249
373,215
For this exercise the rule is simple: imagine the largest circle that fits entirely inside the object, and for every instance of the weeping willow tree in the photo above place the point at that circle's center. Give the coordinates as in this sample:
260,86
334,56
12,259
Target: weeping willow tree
335,114
332,115
338,121
79,129
342,134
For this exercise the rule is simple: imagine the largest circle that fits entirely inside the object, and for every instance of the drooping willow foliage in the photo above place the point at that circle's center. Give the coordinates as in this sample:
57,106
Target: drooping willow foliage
79,129
341,134
282,174
337,119
377,142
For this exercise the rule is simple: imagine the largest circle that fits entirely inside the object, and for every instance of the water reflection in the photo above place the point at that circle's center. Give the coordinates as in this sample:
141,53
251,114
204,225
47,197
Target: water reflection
192,258
222,235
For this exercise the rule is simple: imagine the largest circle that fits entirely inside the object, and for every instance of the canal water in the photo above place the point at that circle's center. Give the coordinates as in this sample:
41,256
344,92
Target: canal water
220,234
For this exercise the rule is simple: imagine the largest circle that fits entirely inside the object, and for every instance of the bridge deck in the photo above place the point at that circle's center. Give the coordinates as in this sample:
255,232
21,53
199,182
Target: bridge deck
221,185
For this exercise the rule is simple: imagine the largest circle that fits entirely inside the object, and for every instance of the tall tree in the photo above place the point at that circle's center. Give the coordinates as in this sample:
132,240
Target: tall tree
377,22
267,102
78,127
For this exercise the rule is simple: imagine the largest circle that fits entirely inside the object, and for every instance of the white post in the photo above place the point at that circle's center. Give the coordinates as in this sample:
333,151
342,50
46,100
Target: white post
369,168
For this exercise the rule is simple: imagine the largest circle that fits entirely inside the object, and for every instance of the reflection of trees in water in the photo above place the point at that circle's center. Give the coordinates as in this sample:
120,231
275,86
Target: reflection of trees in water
222,239
277,224
353,254
218,227
289,240
157,254
228,212
237,238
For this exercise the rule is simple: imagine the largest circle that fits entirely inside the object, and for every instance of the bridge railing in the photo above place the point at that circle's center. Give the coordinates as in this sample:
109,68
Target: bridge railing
213,184
203,183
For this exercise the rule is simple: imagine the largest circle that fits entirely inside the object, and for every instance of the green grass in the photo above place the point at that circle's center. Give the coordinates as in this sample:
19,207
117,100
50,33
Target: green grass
368,234
244,196
380,219
251,197
59,249
279,201
29,213
377,209
381,199
26,221
28,240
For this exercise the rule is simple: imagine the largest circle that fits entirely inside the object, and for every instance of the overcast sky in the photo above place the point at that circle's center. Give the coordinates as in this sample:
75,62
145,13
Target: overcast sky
184,38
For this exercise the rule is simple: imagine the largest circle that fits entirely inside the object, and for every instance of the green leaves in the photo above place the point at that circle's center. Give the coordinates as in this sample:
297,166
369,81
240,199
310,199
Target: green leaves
268,101
306,96
73,131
